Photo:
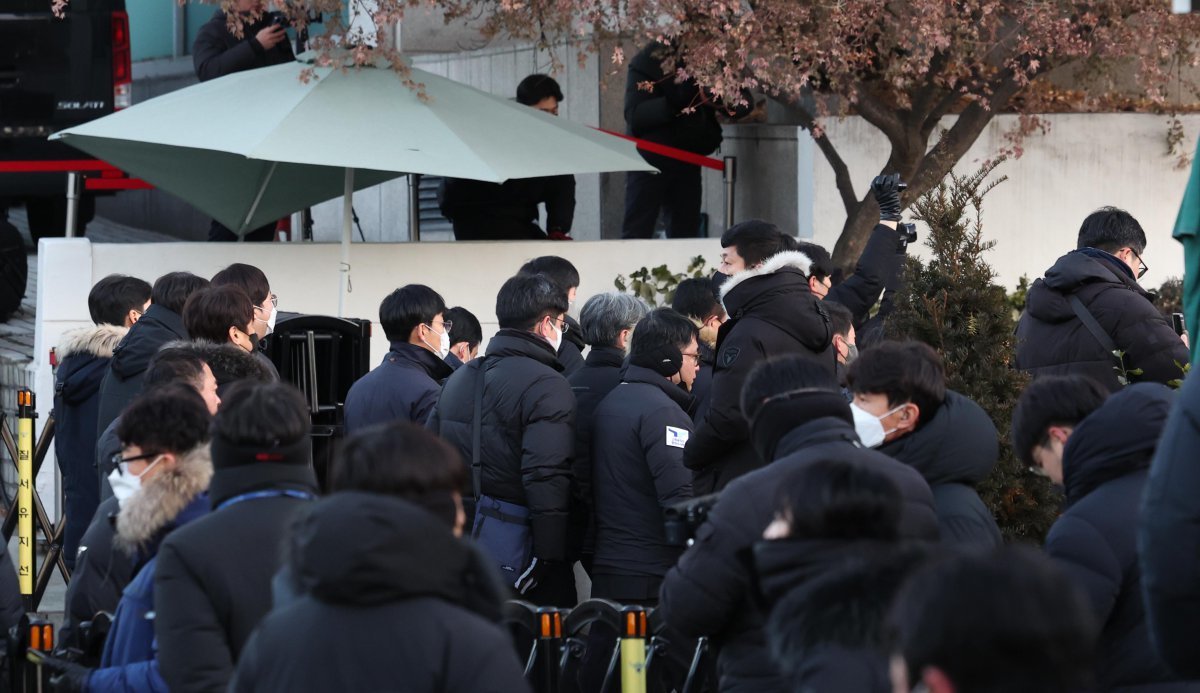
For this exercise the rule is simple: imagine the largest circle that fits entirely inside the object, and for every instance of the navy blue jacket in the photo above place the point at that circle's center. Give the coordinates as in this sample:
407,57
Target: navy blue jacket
954,451
1104,471
123,379
1169,524
641,428
404,386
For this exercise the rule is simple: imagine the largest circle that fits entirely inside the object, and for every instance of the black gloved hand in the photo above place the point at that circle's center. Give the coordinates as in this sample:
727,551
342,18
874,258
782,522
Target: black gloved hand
533,575
69,677
887,193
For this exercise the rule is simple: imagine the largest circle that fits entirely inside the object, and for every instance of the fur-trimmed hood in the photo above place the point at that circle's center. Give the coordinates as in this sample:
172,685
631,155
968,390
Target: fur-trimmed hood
787,259
161,501
97,340
229,363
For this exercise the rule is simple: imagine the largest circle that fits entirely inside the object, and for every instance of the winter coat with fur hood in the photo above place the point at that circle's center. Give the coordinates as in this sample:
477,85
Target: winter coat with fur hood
83,358
169,500
771,312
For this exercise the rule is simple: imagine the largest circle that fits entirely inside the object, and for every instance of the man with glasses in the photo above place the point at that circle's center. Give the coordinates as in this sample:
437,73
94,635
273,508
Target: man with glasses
1089,316
405,386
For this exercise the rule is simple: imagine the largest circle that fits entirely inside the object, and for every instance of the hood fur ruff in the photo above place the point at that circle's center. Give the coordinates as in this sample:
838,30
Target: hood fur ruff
162,498
97,340
778,261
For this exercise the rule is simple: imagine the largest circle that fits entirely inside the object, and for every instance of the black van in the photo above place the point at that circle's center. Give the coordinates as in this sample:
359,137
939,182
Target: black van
55,73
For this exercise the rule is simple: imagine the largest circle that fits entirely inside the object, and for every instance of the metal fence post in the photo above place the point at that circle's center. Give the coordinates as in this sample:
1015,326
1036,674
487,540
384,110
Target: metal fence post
414,207
729,175
25,495
74,184
633,650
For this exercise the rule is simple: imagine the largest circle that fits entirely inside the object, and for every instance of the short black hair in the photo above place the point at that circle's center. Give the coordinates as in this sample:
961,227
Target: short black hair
661,328
256,413
822,264
171,418
756,240
1005,620
174,364
1062,400
402,310
172,291
783,374
696,297
209,313
605,315
559,269
248,278
840,319
111,299
534,88
524,300
839,499
1110,229
906,371
465,326
403,460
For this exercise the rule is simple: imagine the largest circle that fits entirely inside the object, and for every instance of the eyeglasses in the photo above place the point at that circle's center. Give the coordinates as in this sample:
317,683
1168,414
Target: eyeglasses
120,463
694,357
274,303
562,324
447,325
1145,268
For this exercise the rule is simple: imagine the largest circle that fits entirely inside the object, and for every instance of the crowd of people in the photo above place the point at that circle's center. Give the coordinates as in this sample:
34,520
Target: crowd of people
845,545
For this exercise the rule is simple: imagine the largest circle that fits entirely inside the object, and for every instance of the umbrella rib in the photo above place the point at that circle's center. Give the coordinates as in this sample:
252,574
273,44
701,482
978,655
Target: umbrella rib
258,198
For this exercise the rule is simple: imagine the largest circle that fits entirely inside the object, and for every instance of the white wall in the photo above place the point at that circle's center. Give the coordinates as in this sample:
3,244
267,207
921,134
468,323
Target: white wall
1086,161
306,279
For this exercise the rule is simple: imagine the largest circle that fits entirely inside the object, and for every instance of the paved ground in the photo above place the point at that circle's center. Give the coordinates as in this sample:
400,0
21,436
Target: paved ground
16,353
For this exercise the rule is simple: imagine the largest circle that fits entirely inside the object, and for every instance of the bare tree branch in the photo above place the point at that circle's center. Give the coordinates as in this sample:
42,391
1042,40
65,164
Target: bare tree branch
841,172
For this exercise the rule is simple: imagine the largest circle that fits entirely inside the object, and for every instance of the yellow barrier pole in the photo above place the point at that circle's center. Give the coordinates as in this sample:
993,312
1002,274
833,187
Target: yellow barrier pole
25,555
633,650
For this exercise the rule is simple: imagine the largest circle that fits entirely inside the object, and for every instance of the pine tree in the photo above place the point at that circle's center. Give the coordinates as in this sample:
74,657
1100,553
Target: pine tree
953,304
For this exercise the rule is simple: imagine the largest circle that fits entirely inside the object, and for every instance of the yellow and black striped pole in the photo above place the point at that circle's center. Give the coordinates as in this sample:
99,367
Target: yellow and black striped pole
25,557
633,650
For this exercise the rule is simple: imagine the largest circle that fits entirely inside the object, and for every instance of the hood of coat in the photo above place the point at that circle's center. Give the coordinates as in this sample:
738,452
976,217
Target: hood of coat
605,357
1117,439
771,292
1047,299
364,549
228,482
156,327
84,355
640,374
97,340
787,424
159,505
574,334
229,363
782,565
420,358
509,342
960,445
846,605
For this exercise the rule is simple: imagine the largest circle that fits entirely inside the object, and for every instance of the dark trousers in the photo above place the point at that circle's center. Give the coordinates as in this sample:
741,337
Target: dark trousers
473,227
676,191
81,488
219,233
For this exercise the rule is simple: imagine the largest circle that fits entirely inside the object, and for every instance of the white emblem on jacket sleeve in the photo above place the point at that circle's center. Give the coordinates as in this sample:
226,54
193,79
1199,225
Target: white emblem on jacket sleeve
677,437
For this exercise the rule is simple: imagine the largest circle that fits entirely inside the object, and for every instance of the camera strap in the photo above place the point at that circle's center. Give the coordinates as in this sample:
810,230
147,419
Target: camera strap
477,431
1089,321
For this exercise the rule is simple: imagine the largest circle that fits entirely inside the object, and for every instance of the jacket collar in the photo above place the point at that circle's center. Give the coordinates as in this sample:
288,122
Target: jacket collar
789,259
228,482
97,340
784,426
605,357
510,342
167,318
413,356
151,511
640,374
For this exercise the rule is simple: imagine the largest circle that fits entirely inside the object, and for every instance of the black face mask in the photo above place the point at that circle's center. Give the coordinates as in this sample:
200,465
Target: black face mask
718,279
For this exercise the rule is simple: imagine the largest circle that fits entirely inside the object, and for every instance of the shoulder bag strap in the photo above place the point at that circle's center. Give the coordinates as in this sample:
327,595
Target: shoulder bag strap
477,431
1089,321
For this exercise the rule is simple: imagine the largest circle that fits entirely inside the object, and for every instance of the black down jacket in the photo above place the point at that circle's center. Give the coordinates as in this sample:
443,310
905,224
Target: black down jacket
394,602
508,210
658,115
641,428
1051,340
1170,522
570,352
702,387
404,387
601,372
954,451
710,592
527,438
101,573
881,260
1105,466
771,312
212,583
217,52
123,380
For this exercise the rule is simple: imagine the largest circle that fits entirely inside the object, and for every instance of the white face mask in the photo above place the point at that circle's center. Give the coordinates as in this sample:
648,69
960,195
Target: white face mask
870,427
556,343
124,486
443,348
271,320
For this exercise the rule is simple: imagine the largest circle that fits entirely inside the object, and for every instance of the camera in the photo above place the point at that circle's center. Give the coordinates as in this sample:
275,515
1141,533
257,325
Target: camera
279,19
908,233
681,520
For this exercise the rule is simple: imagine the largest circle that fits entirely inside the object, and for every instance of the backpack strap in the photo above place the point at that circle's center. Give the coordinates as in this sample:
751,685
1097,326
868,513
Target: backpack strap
477,431
1089,321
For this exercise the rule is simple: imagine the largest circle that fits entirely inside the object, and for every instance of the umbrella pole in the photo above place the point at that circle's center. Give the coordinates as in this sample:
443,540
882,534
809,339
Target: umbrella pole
347,222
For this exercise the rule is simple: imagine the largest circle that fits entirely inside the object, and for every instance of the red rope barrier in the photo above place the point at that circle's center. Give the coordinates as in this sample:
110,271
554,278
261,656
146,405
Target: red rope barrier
671,152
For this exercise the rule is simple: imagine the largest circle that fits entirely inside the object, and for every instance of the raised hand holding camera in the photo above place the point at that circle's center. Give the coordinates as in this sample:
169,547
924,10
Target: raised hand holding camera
887,189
